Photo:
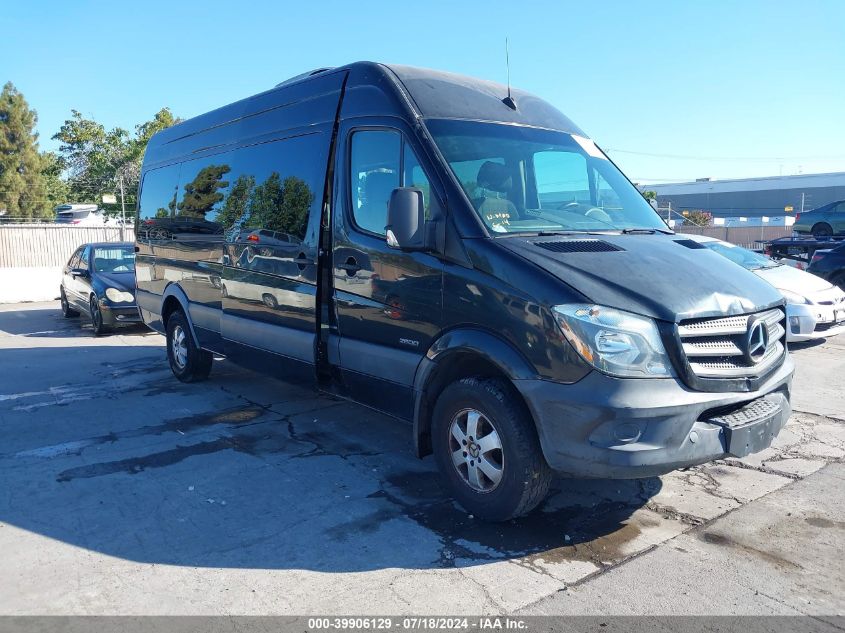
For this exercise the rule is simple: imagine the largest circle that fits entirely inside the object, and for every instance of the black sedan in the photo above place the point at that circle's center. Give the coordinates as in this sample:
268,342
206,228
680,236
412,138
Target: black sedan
99,281
830,265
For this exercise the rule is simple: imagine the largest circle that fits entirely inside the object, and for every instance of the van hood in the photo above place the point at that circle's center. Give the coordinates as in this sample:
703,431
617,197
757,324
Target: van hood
664,277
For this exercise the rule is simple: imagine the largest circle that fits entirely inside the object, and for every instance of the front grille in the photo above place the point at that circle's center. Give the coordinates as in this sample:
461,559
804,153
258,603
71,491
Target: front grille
824,327
715,348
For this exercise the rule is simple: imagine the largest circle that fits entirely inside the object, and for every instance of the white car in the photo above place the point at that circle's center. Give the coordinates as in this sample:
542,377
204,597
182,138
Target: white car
815,308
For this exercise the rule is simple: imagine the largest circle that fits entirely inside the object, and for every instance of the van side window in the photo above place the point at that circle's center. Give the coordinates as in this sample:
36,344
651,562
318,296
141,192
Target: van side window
273,190
380,162
374,175
414,176
158,202
203,185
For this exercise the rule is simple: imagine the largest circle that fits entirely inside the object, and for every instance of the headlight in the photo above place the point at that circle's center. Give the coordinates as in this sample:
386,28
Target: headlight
613,341
794,297
118,296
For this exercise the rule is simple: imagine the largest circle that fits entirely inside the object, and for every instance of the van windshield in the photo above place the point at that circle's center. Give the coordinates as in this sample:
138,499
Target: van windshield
522,179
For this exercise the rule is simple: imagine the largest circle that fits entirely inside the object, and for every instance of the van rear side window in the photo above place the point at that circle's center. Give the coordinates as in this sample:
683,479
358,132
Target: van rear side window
273,189
159,191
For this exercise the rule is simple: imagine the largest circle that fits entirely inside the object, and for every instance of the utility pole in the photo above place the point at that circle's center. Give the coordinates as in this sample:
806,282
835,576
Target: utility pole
122,212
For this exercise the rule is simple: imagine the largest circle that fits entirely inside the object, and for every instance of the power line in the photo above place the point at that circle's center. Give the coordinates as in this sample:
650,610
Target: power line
691,157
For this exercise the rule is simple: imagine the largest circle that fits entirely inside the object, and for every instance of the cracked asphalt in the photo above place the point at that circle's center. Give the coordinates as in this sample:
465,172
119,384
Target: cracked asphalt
126,492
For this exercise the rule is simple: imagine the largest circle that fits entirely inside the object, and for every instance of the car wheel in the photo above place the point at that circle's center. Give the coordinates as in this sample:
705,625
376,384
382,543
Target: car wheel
822,229
96,317
487,449
188,362
67,311
269,300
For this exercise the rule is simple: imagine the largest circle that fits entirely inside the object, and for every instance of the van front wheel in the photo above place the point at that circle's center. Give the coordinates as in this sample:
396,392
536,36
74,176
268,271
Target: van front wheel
188,362
487,449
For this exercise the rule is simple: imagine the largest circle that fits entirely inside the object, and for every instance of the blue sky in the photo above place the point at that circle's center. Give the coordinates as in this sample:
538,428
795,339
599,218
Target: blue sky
674,90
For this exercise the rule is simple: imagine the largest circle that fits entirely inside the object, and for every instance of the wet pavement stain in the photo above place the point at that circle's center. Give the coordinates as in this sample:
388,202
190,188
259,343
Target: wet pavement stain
596,533
135,465
723,540
234,417
821,522
368,524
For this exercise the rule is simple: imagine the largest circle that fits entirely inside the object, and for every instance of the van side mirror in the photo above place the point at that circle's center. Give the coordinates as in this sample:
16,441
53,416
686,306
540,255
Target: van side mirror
406,225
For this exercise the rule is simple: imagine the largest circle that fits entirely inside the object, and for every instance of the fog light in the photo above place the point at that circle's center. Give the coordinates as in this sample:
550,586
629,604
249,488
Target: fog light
627,432
794,325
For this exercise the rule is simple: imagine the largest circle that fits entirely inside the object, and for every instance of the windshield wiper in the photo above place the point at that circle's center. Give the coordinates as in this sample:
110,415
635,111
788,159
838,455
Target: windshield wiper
645,231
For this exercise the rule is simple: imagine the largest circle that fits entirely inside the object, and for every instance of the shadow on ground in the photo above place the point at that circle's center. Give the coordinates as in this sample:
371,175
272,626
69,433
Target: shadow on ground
49,323
244,471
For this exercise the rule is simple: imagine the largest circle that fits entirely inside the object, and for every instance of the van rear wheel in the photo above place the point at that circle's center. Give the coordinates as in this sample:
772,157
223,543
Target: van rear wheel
488,451
188,362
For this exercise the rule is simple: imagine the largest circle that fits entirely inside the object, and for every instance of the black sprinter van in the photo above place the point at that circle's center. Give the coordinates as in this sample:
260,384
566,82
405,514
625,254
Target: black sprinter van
462,258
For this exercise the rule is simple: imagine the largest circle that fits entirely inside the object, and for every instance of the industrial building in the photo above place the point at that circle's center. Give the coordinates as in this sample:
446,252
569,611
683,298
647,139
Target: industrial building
751,197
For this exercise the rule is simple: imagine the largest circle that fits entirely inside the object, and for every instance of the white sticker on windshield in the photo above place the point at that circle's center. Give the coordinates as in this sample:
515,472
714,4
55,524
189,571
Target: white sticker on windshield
589,146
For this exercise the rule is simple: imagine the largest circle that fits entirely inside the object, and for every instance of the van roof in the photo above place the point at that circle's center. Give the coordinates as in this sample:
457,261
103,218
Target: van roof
429,93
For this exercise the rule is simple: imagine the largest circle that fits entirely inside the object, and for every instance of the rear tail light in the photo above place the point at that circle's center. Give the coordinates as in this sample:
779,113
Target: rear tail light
797,216
816,258
252,238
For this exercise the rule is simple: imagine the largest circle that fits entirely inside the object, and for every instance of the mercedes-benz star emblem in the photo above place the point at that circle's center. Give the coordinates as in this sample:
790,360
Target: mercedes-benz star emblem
756,341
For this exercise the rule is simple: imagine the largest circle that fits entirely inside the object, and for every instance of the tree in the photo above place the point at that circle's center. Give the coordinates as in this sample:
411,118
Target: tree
697,218
281,206
650,195
22,192
236,202
97,159
201,194
56,189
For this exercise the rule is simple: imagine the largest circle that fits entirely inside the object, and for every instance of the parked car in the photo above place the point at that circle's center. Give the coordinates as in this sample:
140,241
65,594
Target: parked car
826,220
79,215
815,308
515,306
99,282
830,265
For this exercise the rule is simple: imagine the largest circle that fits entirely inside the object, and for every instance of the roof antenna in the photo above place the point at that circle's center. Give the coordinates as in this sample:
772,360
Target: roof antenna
508,101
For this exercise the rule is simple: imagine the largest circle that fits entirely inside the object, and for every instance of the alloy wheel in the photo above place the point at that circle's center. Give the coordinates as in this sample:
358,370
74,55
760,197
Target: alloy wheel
476,450
179,347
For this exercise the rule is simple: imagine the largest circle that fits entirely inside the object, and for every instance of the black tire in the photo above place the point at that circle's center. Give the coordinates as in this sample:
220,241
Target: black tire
67,311
190,363
96,317
822,229
270,301
525,476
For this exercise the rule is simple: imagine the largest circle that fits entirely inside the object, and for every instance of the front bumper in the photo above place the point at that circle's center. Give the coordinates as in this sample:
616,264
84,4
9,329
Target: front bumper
114,315
606,427
809,322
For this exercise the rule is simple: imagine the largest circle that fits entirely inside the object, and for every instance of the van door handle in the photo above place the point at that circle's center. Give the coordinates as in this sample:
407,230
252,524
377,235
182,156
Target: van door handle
351,266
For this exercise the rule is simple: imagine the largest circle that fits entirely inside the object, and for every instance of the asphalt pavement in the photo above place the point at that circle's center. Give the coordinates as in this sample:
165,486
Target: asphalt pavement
126,492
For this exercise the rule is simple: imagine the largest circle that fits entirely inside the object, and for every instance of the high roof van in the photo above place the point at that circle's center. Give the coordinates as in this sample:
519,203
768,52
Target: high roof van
463,257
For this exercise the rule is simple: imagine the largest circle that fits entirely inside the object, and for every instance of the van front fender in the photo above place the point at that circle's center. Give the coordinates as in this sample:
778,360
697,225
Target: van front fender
457,354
